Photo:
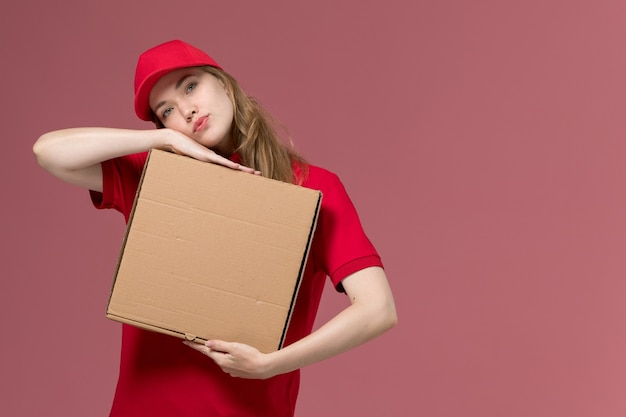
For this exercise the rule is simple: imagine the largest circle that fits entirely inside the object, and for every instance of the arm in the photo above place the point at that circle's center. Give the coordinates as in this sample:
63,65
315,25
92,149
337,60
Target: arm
74,155
371,313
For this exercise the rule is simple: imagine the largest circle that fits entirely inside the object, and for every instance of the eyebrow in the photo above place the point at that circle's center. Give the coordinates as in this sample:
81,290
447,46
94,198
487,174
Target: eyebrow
178,84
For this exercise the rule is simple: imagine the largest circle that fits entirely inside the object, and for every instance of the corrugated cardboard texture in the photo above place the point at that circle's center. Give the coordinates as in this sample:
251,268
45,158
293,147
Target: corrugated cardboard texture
213,253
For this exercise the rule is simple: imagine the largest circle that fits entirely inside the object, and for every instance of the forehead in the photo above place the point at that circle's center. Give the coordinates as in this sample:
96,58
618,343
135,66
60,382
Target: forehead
170,81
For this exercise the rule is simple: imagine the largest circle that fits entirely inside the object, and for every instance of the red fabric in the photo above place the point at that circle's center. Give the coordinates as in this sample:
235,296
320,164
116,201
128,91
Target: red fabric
159,376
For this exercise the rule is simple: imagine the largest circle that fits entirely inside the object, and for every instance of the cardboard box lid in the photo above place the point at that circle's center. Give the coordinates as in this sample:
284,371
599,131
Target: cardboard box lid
213,253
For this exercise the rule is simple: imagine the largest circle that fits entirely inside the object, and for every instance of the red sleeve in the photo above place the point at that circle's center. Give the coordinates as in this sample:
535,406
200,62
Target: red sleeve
120,180
340,245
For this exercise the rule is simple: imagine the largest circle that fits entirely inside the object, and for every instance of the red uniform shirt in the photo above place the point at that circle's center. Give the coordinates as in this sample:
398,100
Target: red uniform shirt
159,376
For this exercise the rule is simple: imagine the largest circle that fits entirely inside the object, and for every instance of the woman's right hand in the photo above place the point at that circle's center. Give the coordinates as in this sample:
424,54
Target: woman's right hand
182,144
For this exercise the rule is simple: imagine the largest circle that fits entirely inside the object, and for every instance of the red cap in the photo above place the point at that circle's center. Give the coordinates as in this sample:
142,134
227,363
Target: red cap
158,61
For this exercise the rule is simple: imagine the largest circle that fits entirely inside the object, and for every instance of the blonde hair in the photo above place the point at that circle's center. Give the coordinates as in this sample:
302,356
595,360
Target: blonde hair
255,136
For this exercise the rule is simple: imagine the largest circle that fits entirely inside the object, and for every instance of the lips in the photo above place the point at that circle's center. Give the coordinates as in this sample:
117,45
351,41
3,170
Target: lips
200,123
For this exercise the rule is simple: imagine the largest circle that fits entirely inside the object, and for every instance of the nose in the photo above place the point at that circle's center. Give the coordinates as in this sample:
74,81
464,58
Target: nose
189,114
188,110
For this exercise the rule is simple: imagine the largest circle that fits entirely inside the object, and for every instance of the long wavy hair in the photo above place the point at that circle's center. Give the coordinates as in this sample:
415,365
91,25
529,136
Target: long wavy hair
255,135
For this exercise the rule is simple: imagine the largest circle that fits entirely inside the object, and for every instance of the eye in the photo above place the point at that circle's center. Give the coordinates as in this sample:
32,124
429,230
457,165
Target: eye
166,112
190,87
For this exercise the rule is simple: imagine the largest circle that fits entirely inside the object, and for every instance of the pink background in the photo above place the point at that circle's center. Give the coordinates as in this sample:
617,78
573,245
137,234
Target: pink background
482,142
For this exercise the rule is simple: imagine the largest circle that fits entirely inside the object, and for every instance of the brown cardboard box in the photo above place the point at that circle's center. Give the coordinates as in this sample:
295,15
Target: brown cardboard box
213,253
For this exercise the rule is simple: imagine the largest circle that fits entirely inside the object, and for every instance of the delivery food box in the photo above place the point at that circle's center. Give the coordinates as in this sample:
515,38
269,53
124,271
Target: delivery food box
213,253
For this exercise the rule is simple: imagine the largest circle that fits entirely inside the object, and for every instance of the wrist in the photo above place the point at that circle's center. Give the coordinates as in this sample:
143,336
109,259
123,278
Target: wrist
282,361
271,364
162,139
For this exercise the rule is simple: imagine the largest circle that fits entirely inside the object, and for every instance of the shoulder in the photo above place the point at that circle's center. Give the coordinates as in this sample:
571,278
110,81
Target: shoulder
319,178
335,197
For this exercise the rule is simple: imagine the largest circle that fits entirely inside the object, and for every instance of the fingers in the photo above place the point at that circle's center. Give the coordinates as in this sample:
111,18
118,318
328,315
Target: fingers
187,146
219,346
219,355
220,160
248,170
235,359
214,349
197,346
202,153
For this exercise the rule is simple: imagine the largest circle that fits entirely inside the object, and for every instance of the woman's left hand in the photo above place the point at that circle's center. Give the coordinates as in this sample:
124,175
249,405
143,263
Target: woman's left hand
371,312
236,359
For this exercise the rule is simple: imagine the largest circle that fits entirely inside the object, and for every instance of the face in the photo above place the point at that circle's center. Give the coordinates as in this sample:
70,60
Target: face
196,104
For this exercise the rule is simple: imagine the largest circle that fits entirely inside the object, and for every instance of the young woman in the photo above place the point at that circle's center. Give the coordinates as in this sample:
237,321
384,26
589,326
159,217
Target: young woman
201,111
